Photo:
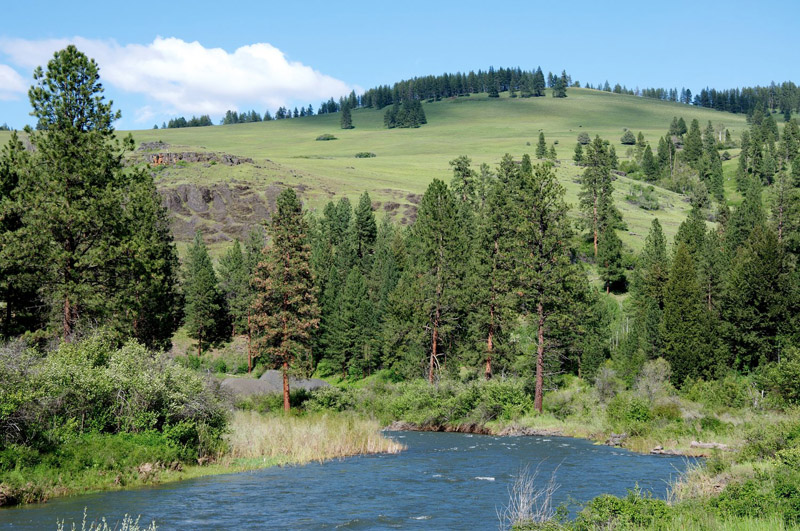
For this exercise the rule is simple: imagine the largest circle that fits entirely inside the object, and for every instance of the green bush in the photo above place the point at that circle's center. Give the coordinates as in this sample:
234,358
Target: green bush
93,386
326,136
611,512
365,155
628,413
732,391
330,399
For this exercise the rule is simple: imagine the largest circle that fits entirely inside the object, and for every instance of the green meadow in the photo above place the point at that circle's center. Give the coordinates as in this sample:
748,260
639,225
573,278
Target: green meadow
287,152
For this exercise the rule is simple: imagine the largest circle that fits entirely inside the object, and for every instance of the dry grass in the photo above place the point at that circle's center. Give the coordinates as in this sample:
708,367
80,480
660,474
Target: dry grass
304,439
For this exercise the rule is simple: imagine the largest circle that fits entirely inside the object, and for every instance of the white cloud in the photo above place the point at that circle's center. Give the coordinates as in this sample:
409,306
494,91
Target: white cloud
187,77
12,86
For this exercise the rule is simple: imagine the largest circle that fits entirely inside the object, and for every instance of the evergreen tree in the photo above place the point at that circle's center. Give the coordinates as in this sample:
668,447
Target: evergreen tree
628,138
693,145
609,259
346,121
19,278
649,165
464,179
235,286
745,217
428,303
578,157
648,284
204,302
684,326
366,230
552,154
538,83
79,226
543,262
596,201
355,328
541,147
756,309
491,277
285,306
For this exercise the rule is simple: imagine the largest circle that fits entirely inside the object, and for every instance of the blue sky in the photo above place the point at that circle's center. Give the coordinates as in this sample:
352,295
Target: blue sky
163,59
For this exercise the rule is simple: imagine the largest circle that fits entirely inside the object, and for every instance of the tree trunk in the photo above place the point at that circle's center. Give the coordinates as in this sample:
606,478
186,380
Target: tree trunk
537,399
489,348
249,344
433,352
594,225
285,386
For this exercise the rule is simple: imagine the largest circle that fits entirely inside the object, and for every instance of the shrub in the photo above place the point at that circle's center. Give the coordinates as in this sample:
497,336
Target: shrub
329,398
607,384
653,380
643,196
611,512
629,413
365,155
781,379
326,136
583,138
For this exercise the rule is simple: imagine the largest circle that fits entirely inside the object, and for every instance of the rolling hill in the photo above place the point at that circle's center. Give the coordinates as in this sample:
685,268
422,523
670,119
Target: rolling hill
224,178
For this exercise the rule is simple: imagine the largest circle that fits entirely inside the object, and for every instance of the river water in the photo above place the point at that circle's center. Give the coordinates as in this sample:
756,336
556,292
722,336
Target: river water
442,481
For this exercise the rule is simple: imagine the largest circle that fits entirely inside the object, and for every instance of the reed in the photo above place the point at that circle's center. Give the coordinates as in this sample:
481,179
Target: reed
302,439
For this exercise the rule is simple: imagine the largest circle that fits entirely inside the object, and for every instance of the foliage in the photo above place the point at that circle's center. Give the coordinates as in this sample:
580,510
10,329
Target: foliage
326,136
365,155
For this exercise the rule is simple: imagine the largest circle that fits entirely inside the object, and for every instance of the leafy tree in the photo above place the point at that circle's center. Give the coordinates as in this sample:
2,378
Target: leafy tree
583,138
285,307
204,303
491,276
19,278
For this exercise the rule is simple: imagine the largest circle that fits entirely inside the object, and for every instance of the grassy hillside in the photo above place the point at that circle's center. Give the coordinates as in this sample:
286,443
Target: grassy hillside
286,152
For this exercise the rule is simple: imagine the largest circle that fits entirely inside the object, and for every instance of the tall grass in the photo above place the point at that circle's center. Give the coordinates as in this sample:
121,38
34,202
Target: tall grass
312,437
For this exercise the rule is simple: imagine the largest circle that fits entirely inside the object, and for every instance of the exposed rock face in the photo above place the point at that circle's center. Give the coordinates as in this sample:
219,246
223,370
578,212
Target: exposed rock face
221,211
270,382
158,159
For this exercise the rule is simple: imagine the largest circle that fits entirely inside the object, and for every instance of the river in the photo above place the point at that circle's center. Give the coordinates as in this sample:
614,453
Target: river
442,481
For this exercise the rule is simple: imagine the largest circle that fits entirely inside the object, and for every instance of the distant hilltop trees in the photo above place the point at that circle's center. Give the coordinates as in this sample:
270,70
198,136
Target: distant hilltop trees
518,83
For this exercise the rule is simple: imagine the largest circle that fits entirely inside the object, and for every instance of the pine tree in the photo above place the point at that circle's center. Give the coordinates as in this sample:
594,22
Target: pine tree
491,277
538,83
552,154
596,201
346,121
285,307
235,286
648,283
609,258
745,217
428,303
203,300
684,326
355,328
101,260
578,156
756,307
649,165
464,179
18,277
541,147
366,230
628,138
693,145
543,261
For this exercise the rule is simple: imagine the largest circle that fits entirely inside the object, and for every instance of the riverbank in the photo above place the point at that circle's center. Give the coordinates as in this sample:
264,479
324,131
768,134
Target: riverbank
253,441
